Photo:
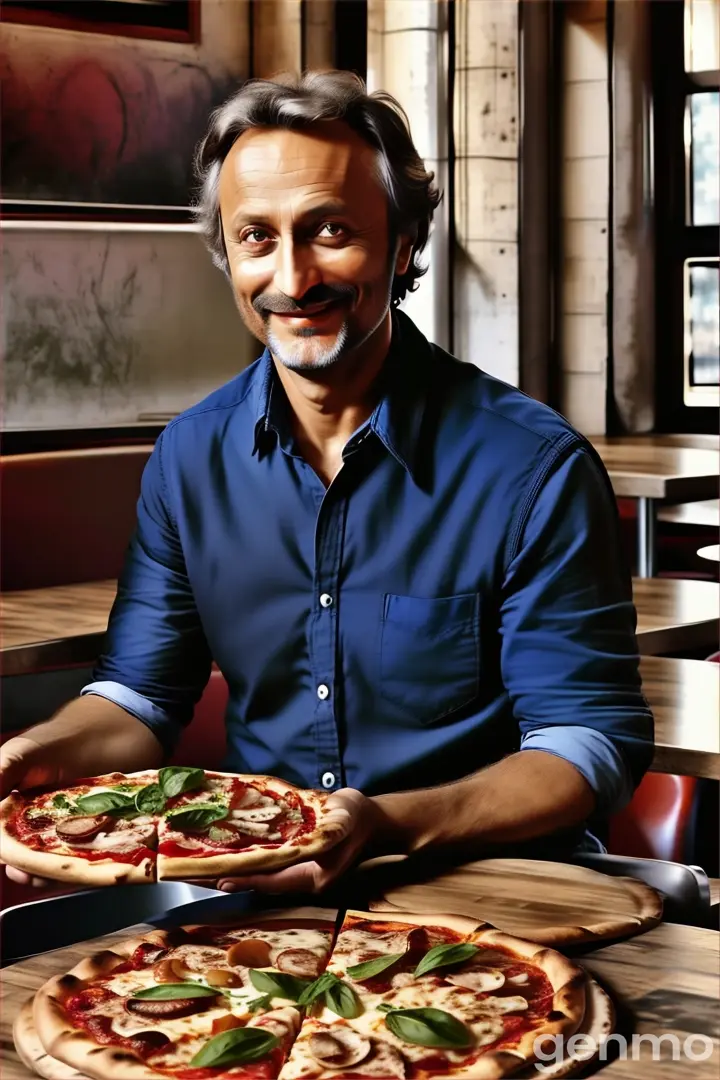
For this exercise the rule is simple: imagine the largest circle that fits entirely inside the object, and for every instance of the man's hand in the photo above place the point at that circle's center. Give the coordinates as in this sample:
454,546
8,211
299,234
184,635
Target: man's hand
23,765
359,820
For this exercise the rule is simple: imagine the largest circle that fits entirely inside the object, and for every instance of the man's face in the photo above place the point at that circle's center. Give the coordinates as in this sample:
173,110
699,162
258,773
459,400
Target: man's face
305,222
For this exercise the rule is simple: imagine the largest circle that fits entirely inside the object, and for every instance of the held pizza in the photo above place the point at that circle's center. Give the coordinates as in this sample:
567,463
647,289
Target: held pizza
415,998
165,824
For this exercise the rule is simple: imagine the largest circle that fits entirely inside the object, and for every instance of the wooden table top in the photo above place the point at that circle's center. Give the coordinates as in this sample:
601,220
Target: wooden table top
58,625
684,696
705,512
664,981
676,614
643,469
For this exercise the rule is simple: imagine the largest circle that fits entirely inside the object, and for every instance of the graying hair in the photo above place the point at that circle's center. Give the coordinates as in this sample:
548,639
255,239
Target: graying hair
298,103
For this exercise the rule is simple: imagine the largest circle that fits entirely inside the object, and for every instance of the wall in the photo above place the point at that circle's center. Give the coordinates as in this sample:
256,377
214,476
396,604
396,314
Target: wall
486,147
106,321
407,42
585,222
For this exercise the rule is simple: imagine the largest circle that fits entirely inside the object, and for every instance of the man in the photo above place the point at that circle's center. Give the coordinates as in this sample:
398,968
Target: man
407,571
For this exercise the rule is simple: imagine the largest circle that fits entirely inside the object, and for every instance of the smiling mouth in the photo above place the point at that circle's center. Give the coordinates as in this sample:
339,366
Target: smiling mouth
315,311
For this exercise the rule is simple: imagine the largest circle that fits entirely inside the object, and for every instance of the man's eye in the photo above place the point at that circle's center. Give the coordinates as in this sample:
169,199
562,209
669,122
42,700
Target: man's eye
332,229
254,236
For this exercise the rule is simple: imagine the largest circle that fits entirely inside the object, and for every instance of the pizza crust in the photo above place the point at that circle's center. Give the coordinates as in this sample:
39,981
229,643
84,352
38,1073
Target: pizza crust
31,1051
460,923
73,1046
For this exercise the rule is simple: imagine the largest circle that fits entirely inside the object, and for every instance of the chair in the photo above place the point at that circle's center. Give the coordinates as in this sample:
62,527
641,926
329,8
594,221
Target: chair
659,821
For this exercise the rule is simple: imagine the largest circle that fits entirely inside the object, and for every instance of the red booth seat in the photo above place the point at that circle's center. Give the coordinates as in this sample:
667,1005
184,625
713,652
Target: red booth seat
67,516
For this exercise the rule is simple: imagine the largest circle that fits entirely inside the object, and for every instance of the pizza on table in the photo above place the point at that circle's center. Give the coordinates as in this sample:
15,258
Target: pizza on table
307,994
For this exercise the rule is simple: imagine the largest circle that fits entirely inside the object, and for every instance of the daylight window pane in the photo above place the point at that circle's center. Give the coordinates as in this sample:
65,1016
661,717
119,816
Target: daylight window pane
702,325
705,158
702,33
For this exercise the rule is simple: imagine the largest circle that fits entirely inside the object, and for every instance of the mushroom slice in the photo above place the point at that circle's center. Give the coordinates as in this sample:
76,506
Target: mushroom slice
338,1049
249,952
256,814
481,981
170,970
303,963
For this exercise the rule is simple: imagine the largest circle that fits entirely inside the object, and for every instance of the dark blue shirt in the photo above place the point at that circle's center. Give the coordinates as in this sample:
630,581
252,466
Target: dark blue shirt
454,595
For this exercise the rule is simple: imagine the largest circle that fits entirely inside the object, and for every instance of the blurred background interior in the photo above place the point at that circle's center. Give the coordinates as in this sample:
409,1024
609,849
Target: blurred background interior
575,255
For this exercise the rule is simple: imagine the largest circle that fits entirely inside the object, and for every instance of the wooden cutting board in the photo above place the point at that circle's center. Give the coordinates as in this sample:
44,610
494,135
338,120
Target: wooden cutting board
551,903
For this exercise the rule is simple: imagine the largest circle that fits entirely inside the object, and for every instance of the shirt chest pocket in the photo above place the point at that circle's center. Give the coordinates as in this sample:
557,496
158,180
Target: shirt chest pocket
429,655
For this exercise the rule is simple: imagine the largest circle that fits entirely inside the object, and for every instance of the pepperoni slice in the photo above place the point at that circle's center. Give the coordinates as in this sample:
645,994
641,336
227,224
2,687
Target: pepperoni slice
156,1009
83,827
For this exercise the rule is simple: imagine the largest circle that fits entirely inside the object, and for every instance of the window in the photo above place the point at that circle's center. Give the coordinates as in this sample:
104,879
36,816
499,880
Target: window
686,98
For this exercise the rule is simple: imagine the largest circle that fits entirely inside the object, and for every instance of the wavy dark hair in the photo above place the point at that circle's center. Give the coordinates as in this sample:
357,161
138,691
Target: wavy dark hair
297,103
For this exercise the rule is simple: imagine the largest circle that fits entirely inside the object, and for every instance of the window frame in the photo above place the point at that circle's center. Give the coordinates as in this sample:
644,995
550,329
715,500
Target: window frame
675,239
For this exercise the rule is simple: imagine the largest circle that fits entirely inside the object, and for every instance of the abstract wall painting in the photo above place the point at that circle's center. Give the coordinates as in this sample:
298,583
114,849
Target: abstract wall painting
106,124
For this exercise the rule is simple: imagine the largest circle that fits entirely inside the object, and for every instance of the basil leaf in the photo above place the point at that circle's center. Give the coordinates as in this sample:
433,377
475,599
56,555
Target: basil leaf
197,816
173,991
124,787
317,988
343,1000
373,967
150,799
236,1046
175,779
277,984
61,802
107,802
444,956
384,1007
428,1027
262,1002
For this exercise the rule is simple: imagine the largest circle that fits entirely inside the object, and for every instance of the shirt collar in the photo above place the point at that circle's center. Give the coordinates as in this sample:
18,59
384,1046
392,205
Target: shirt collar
397,420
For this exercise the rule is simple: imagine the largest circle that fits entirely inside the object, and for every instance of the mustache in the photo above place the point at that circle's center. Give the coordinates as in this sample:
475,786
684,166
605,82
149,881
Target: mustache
280,304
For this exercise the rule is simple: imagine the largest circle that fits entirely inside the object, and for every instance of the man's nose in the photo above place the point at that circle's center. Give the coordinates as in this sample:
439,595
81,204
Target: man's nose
295,270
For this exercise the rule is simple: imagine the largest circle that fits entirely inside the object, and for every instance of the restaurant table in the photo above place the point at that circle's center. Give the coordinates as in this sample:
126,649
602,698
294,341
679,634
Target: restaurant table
662,982
53,627
648,471
711,552
684,696
676,614
704,513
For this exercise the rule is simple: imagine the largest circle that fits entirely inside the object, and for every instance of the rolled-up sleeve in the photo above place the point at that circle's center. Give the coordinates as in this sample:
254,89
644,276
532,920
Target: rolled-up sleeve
156,660
569,652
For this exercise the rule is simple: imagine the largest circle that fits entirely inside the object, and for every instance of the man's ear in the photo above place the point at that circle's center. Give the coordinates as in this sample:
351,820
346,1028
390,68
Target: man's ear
403,254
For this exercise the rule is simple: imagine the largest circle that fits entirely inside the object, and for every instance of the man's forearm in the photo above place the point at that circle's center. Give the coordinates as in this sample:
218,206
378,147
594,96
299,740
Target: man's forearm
87,737
526,795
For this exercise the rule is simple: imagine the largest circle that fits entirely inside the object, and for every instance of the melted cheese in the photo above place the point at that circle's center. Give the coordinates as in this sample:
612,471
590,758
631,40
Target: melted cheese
203,957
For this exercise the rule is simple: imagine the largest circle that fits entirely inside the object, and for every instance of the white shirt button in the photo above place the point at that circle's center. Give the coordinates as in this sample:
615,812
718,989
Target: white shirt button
322,691
326,600
328,779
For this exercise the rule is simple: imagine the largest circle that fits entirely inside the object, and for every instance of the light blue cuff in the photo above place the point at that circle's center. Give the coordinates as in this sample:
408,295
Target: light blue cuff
594,756
159,722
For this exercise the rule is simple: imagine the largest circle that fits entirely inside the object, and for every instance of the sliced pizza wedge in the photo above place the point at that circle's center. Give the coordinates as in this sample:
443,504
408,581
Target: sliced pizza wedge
430,997
233,825
194,1003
